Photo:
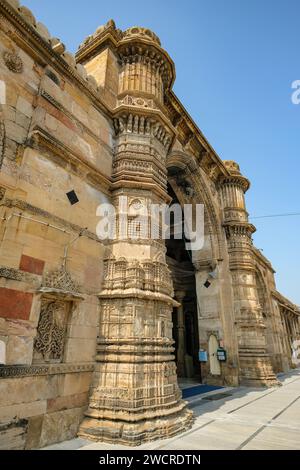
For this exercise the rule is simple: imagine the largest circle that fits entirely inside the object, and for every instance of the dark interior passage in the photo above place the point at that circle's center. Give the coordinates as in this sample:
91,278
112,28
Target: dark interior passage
185,319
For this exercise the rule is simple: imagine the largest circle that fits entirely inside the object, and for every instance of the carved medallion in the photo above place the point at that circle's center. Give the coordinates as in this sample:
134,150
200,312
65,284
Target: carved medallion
13,62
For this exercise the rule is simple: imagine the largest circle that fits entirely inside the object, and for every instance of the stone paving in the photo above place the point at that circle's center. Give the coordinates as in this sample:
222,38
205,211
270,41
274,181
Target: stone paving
246,418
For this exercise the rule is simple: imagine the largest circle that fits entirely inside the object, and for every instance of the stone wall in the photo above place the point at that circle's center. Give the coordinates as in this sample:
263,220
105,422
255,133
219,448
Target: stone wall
54,140
41,405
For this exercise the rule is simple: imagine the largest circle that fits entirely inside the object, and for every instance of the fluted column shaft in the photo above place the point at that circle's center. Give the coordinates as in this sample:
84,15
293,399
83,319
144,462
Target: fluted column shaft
255,364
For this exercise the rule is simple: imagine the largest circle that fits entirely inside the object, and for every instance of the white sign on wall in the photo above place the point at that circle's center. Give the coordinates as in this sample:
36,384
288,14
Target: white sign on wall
2,352
2,92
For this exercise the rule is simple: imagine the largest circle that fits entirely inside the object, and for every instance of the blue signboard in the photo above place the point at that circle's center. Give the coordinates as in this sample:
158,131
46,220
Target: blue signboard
202,355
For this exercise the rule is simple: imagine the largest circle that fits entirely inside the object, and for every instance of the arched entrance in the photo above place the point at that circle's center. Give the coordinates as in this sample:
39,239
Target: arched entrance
209,266
185,319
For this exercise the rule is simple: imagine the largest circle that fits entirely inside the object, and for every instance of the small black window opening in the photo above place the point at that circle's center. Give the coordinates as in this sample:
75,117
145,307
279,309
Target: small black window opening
53,77
72,196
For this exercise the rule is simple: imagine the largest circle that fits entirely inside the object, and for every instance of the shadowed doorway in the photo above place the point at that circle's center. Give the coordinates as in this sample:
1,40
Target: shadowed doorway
185,318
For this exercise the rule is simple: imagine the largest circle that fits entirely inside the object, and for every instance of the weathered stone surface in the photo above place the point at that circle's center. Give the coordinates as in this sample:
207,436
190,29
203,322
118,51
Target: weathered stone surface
13,434
14,3
29,389
34,430
24,107
23,410
19,350
77,400
80,349
76,383
60,426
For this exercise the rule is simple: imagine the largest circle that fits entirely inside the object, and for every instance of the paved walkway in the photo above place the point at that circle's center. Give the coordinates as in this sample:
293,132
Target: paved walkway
245,418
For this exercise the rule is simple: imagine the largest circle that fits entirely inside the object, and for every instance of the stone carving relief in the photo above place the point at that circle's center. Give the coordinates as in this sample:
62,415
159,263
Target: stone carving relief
50,339
134,124
13,62
142,32
149,275
141,102
60,279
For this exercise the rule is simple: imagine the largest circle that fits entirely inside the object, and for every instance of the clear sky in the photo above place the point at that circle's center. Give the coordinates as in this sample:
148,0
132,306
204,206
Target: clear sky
235,62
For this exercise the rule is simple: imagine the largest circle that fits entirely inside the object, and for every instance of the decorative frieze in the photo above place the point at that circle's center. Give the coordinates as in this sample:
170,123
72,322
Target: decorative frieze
239,230
144,275
18,275
10,372
147,167
129,100
141,125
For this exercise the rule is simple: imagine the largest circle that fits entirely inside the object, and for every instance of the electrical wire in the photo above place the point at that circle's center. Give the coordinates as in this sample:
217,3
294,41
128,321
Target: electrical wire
275,215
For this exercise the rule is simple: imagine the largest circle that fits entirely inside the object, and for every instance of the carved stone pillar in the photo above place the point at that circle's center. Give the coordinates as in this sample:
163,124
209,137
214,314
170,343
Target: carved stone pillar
255,364
135,396
180,335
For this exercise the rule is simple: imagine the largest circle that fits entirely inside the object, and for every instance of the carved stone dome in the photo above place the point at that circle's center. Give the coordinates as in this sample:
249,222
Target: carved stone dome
232,166
144,33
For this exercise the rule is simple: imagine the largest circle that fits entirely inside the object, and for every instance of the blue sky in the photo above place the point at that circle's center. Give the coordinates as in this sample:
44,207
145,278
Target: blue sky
235,62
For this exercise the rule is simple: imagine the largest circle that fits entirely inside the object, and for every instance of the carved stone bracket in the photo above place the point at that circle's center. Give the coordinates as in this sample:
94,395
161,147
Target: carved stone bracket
135,124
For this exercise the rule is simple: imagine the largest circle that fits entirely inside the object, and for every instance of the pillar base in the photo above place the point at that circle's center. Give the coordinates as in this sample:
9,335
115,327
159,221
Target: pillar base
257,371
138,432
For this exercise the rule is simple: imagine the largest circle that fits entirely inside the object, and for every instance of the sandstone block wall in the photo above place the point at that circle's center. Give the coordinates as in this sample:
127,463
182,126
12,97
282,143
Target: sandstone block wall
56,140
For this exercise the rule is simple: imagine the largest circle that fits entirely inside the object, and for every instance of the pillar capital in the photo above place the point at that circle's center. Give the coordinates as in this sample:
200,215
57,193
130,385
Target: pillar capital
235,176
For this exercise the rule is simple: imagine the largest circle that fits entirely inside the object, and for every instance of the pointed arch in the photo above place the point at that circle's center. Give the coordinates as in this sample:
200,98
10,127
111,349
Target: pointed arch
185,172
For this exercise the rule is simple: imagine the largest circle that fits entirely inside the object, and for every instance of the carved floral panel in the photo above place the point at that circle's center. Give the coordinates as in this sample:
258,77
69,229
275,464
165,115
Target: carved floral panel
50,340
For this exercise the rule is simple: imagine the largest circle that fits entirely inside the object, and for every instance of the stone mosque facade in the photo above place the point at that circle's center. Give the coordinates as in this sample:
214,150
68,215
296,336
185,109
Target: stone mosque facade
95,335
